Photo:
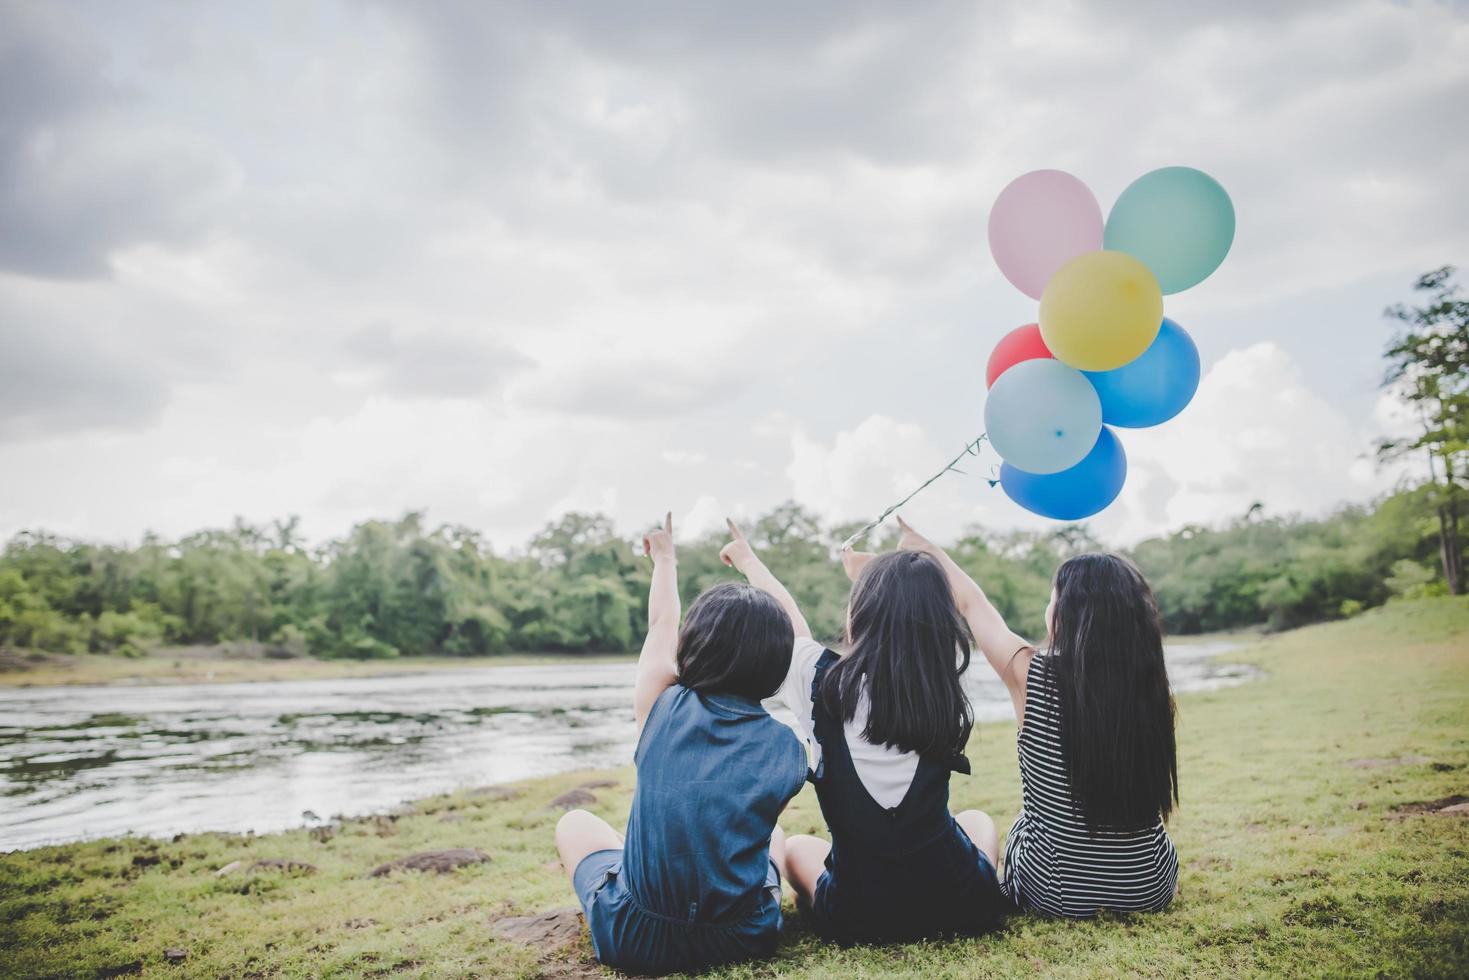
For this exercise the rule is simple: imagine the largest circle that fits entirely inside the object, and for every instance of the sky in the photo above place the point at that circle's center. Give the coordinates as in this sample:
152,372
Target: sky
499,262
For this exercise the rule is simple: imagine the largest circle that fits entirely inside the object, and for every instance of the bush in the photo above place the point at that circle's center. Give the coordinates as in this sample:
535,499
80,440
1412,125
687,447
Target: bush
1410,580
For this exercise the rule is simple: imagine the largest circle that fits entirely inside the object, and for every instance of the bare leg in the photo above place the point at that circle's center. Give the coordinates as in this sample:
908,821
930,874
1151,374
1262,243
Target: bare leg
778,850
578,834
981,830
805,860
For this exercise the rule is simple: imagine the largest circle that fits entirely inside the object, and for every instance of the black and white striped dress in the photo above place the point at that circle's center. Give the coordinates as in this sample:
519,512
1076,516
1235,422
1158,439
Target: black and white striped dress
1053,863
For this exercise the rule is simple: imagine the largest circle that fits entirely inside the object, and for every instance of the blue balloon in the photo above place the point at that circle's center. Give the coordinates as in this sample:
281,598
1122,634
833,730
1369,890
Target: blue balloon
1042,416
1153,387
1085,489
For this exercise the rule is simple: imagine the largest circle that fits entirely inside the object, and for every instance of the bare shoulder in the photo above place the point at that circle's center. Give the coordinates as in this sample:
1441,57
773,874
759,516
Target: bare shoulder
1017,671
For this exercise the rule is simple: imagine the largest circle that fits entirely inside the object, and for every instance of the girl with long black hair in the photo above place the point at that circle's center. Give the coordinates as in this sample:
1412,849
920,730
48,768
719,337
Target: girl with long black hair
1098,761
887,722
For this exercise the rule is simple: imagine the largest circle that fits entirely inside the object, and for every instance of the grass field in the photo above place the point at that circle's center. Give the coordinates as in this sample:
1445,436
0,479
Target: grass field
1303,854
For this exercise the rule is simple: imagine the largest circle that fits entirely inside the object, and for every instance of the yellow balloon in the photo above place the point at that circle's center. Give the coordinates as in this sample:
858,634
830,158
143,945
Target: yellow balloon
1100,311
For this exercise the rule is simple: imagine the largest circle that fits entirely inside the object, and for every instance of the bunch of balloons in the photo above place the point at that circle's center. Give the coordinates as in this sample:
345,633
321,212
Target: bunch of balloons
1101,353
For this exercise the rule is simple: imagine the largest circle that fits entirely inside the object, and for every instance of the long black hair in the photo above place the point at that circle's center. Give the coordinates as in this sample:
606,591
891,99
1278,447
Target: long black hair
1117,709
908,647
736,639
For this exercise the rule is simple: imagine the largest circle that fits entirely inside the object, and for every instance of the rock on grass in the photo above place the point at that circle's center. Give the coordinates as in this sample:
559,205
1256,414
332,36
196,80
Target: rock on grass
440,861
600,784
574,798
285,864
289,865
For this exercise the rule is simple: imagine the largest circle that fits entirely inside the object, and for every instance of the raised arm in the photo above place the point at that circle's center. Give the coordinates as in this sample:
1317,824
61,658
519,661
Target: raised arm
657,664
1007,652
742,558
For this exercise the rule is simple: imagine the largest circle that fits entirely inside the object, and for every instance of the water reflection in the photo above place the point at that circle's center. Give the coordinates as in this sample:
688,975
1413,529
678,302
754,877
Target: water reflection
80,762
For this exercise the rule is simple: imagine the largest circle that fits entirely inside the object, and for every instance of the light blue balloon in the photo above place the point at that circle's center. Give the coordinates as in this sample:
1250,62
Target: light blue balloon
1177,221
1042,416
1083,490
1153,387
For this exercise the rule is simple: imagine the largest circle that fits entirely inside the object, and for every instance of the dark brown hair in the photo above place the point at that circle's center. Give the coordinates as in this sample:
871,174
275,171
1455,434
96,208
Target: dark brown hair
736,639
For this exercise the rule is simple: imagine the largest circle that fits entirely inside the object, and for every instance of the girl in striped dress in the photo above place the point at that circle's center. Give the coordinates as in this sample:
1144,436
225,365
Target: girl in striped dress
1098,764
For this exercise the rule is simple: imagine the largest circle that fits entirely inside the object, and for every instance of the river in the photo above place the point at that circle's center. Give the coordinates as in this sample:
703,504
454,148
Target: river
84,762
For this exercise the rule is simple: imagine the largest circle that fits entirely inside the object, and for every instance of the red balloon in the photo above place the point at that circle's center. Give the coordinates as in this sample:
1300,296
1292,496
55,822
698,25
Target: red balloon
1021,344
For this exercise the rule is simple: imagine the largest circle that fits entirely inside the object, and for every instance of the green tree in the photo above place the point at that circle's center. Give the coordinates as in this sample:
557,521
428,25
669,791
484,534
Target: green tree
1428,367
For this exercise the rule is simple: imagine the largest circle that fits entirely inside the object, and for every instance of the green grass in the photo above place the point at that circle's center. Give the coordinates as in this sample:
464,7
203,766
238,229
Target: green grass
1294,861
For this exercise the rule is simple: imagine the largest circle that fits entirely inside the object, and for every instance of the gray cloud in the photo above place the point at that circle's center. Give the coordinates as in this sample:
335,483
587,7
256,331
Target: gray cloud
51,383
641,389
431,366
639,222
79,176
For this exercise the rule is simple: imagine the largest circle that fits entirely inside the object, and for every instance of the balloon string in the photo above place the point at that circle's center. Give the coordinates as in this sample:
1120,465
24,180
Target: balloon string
970,449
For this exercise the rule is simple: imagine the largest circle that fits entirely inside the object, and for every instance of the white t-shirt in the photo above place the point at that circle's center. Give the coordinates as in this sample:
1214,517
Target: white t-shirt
886,773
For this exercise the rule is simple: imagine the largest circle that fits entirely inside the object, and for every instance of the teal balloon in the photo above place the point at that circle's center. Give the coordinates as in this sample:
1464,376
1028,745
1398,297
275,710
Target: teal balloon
1042,416
1076,493
1154,386
1177,221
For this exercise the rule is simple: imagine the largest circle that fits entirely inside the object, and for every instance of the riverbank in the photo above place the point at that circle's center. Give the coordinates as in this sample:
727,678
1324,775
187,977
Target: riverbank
237,663
1312,832
233,663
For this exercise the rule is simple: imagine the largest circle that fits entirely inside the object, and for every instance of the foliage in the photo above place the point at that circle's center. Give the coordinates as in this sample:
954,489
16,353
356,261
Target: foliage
1428,368
400,589
1295,857
1428,364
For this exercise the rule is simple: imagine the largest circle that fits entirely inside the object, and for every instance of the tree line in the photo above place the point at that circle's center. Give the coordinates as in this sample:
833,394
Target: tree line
403,588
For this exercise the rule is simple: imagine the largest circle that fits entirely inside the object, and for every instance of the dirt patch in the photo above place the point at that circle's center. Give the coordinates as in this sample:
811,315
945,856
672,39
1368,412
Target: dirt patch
547,931
1450,805
496,793
1402,760
573,798
439,861
555,935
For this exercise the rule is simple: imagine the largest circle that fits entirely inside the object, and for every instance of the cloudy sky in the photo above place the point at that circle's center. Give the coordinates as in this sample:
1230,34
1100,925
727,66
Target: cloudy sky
344,259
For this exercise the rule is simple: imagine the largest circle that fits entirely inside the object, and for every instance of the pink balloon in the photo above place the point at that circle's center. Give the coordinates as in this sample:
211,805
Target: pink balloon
1041,221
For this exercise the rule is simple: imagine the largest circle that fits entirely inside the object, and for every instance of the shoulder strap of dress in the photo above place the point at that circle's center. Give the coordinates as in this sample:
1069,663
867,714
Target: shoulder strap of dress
828,658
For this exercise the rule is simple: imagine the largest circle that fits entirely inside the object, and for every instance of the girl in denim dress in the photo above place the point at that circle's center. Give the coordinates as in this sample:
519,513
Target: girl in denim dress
695,884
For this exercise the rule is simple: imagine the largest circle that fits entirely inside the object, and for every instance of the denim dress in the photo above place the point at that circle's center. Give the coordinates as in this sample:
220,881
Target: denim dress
693,885
894,874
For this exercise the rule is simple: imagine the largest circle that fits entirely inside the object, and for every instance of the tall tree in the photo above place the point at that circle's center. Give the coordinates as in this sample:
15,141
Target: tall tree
1428,367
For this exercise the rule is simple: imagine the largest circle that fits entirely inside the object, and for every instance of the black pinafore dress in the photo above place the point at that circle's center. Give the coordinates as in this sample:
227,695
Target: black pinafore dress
894,874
